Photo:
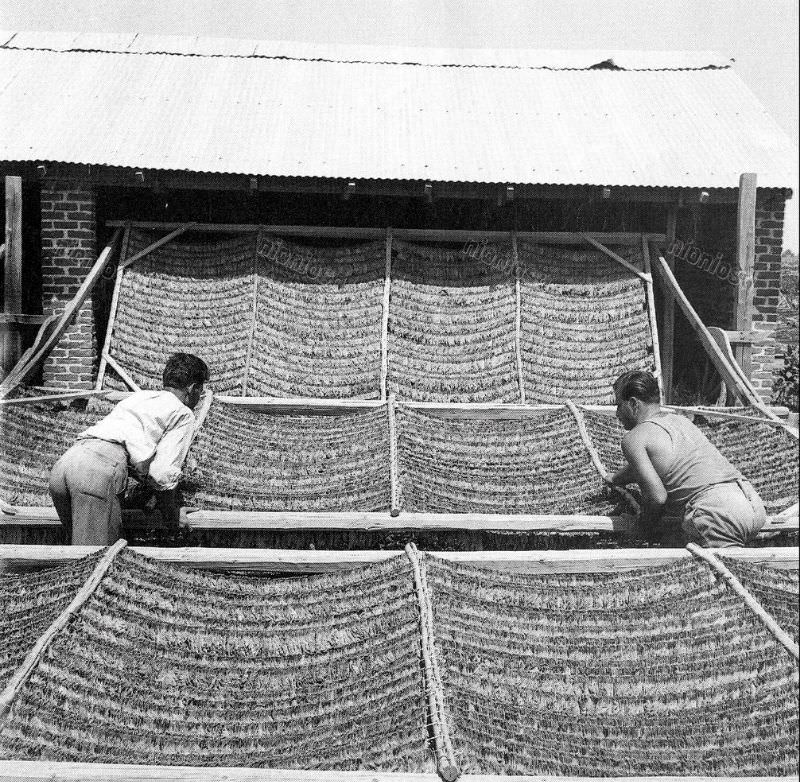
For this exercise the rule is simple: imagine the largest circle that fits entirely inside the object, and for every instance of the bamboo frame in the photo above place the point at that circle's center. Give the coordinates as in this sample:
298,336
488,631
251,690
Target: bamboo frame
112,314
780,634
301,561
651,312
668,311
387,288
518,317
21,675
56,397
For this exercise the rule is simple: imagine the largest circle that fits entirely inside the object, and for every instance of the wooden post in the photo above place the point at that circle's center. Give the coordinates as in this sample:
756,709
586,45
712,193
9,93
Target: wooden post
668,312
12,288
745,258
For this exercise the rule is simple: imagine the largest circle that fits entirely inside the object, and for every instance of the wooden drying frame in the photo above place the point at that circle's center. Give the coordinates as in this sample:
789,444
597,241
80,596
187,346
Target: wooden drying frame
388,234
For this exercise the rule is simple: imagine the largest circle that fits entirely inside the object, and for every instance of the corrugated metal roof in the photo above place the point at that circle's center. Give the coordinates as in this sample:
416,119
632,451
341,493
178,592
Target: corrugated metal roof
374,120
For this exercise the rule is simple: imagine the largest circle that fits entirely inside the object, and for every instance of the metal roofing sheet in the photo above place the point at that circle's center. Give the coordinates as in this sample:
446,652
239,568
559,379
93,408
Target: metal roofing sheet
297,117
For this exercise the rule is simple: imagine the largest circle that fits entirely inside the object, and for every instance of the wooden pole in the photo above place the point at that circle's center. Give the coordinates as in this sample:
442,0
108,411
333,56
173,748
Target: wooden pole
387,288
745,260
394,461
780,634
112,314
12,285
443,749
21,675
159,243
253,318
668,312
611,254
651,314
518,318
672,289
55,326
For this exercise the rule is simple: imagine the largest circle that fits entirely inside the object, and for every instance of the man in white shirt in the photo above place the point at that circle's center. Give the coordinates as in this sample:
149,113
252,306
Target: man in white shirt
149,433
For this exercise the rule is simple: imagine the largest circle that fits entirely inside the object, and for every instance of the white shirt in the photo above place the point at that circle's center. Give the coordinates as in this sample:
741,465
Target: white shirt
155,428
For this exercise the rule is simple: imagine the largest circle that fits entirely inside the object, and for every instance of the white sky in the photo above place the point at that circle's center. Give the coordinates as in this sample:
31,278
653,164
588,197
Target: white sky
762,35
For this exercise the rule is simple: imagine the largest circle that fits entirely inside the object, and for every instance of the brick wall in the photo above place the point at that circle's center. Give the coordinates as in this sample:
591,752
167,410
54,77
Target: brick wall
69,249
766,289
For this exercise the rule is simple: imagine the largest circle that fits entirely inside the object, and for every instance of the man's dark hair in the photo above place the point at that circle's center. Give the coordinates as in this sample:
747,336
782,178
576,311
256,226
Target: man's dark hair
639,384
183,369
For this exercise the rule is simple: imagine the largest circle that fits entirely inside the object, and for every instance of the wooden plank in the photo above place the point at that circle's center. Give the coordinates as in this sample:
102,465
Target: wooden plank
51,771
387,289
155,245
55,397
409,234
668,313
719,360
22,674
309,405
55,326
300,561
120,370
611,254
337,521
651,314
112,314
21,319
12,281
745,260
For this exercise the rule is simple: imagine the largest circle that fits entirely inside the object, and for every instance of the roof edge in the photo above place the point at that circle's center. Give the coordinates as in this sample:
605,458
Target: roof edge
200,46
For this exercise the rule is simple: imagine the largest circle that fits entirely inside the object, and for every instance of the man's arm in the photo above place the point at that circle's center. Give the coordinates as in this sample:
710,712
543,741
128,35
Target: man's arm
623,476
165,469
654,495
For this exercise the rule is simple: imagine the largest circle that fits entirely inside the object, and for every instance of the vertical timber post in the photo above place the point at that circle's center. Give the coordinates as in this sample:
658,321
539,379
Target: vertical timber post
668,312
12,287
745,260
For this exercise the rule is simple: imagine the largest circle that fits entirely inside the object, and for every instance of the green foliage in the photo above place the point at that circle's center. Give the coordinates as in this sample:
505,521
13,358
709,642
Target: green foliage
785,388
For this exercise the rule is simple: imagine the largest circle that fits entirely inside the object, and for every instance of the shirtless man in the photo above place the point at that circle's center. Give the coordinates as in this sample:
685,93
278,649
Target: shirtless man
680,473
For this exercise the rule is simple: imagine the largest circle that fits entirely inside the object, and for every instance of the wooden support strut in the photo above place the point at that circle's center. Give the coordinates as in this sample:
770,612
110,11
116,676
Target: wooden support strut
55,326
387,288
595,457
668,313
651,313
159,243
443,748
518,317
22,673
253,316
120,370
745,259
780,634
394,465
112,314
611,254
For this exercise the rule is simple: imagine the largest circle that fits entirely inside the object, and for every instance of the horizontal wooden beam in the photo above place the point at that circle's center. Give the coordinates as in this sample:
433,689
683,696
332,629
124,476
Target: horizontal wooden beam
55,397
21,319
298,561
352,521
408,234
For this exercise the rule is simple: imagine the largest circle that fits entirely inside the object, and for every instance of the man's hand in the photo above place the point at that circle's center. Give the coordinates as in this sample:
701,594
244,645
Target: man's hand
167,503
